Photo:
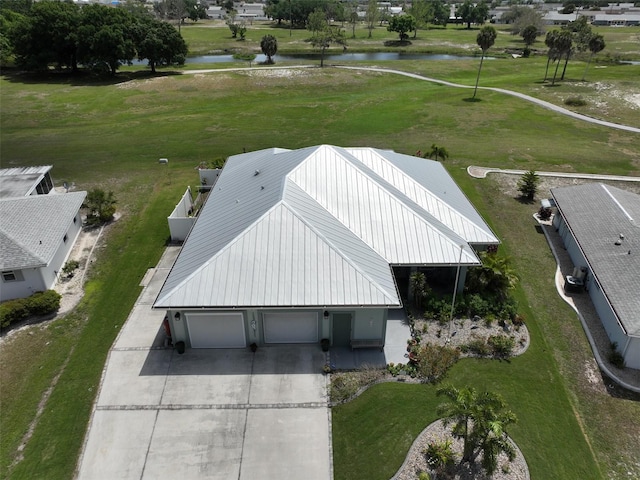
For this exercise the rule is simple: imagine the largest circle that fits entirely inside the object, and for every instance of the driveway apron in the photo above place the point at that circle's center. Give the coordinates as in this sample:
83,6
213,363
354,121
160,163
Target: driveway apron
214,414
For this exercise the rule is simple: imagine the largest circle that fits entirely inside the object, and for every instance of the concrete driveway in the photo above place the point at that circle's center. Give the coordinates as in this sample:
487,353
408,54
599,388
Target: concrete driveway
215,414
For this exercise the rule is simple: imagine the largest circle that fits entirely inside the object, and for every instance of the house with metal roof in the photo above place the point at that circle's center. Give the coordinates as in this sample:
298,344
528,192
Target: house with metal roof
294,246
38,228
600,227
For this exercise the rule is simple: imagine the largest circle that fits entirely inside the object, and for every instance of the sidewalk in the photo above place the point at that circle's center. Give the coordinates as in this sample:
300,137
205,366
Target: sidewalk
481,172
581,302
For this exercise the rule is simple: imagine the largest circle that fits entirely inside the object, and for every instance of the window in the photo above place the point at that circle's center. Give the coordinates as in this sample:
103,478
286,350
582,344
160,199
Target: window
9,276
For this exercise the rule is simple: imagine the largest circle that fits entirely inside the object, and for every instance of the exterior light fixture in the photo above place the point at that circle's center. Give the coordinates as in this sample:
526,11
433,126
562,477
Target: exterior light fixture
177,316
326,314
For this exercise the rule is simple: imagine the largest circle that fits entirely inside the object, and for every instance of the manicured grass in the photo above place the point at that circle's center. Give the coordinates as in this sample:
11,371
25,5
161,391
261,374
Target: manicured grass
111,133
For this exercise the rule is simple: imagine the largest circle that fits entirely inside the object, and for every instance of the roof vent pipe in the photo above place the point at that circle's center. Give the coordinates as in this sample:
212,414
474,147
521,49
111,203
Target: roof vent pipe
256,173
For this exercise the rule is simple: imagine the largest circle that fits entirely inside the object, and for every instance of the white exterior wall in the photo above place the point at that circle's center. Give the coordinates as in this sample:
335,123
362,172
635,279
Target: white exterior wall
30,281
369,323
631,353
51,272
603,309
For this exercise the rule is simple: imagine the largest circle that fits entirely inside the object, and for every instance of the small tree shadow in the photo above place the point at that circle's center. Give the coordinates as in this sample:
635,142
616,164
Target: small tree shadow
472,100
525,200
397,43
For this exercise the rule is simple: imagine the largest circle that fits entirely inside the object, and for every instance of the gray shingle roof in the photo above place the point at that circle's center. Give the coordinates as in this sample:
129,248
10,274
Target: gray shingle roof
597,214
320,226
32,228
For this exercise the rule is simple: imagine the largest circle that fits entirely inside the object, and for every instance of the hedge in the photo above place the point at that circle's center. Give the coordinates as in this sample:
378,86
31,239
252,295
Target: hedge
38,304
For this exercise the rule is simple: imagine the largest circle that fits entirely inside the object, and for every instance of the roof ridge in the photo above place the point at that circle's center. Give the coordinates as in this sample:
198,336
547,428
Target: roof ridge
337,249
424,189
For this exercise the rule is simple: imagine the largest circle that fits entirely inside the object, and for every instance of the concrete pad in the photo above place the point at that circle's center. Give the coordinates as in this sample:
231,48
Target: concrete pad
193,444
142,329
286,374
168,257
286,444
117,444
134,377
209,377
149,294
398,332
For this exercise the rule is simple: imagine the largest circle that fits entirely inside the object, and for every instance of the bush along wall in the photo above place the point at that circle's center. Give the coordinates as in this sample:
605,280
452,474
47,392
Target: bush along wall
37,305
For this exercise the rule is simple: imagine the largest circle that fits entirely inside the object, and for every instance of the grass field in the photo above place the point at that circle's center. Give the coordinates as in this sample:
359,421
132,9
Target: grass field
111,133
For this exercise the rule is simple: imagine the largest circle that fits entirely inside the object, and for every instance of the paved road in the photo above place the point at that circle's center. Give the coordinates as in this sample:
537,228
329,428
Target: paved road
537,101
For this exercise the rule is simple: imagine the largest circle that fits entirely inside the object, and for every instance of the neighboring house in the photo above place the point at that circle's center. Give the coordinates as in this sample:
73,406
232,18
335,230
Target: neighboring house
293,246
37,230
600,227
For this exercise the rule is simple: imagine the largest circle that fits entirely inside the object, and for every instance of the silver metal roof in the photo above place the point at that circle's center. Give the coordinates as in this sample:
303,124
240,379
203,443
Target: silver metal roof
597,215
320,226
32,228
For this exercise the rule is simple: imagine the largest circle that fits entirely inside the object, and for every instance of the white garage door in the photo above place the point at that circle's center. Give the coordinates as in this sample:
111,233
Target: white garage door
290,327
216,330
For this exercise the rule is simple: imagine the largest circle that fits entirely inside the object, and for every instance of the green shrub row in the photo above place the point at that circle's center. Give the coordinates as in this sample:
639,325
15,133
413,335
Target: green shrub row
38,304
470,305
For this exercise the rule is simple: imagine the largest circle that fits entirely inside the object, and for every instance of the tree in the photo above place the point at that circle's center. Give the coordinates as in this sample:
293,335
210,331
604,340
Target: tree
402,24
317,21
419,288
437,153
325,38
352,17
48,35
441,12
596,44
100,206
485,40
481,421
269,47
494,277
160,44
563,46
521,16
528,184
371,15
423,13
529,35
106,37
465,12
550,41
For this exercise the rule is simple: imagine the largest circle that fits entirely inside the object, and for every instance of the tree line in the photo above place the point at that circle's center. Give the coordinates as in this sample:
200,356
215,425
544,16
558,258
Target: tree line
98,37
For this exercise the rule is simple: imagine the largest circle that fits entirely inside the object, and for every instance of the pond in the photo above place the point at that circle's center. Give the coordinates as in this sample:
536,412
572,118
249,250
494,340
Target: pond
341,57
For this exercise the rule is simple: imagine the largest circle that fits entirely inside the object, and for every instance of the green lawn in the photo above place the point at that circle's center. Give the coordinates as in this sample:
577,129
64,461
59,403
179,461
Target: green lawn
111,134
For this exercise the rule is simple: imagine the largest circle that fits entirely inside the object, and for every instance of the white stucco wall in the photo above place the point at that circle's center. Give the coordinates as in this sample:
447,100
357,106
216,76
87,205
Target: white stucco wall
28,282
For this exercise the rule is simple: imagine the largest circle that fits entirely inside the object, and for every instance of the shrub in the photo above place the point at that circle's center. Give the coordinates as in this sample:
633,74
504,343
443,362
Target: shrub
518,320
489,319
440,455
345,385
13,311
477,305
70,267
502,345
615,357
38,304
434,361
528,184
575,102
476,346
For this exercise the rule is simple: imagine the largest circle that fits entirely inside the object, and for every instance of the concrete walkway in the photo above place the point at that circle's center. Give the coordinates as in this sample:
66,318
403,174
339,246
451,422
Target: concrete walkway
214,414
481,172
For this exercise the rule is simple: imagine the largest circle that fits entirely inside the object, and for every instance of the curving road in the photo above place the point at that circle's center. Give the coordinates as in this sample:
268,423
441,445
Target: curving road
537,101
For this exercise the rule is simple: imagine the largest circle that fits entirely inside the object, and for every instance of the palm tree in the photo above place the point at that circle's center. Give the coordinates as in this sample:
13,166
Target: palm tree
438,152
485,39
596,44
552,53
494,276
269,46
563,47
459,411
529,35
480,420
